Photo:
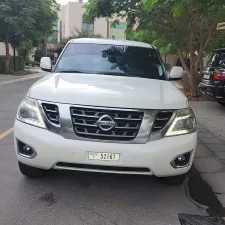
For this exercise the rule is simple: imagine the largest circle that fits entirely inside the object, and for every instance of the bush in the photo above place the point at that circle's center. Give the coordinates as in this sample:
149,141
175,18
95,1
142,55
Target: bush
38,55
51,55
19,63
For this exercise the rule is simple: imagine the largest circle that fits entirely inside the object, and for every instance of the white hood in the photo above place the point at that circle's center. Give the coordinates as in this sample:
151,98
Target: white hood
108,91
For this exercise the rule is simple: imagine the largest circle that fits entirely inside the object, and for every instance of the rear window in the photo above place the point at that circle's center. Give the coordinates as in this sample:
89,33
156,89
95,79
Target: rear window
217,60
111,60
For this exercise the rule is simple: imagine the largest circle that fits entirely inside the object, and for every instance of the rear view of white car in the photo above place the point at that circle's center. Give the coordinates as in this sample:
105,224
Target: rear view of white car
108,106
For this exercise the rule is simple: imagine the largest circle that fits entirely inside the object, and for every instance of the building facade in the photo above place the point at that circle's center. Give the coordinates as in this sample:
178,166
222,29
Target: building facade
71,17
2,49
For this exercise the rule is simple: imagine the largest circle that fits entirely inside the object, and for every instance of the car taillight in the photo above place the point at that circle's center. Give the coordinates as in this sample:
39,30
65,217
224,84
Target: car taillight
219,75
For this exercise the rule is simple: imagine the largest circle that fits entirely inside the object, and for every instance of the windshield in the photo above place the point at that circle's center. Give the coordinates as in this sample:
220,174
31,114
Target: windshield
111,60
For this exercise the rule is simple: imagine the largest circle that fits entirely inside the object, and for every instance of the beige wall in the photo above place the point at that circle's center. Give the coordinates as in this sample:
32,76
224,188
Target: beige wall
2,49
71,16
100,27
170,59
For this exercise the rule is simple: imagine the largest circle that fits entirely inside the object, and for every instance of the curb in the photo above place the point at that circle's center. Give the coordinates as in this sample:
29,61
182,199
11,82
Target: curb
22,78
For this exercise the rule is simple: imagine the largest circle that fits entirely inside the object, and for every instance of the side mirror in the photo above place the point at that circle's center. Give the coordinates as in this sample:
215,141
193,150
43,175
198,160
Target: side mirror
46,64
176,73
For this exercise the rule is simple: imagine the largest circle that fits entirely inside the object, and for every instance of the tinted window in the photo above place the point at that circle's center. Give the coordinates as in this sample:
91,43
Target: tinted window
111,60
217,60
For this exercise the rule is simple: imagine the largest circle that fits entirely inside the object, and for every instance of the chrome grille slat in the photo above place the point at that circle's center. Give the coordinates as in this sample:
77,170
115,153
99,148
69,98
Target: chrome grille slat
95,125
106,135
51,112
128,119
161,120
83,115
85,124
127,123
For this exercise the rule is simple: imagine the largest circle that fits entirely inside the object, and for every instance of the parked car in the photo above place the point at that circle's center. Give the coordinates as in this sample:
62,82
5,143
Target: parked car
212,85
107,106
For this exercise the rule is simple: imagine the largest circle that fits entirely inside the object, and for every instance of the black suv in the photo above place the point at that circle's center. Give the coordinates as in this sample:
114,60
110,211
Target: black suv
212,85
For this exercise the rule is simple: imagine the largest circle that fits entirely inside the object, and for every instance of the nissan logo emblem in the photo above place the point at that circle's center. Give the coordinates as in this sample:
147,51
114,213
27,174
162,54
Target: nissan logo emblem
106,123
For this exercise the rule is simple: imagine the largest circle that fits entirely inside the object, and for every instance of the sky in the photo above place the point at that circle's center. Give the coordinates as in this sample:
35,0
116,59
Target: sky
63,2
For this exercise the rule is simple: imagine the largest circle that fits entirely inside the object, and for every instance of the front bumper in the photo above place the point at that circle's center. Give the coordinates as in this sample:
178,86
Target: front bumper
212,92
52,148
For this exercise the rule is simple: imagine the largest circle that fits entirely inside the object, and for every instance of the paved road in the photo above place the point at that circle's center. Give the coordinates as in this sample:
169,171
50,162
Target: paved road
212,116
74,198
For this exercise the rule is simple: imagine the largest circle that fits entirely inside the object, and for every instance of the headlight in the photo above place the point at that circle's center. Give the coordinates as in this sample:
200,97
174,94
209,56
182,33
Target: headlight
29,113
184,123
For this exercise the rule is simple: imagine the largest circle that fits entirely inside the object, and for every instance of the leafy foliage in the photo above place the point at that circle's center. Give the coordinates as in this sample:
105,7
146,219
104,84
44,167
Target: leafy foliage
25,20
186,26
24,49
83,34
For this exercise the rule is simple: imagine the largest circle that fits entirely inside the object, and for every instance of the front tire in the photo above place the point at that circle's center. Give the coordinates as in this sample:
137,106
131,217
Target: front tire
174,181
29,171
222,103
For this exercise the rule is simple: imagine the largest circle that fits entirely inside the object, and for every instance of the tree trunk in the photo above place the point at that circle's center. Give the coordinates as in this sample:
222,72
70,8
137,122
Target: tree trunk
44,47
193,82
7,57
182,60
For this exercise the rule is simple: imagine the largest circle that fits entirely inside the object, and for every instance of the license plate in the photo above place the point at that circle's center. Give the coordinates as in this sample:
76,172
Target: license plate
206,76
103,156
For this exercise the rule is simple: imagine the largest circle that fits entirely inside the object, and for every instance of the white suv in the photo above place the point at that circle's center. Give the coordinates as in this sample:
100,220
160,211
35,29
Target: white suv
108,106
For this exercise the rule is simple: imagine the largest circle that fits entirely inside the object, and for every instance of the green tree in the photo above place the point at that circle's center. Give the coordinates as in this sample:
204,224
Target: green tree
24,49
15,17
188,26
23,20
45,19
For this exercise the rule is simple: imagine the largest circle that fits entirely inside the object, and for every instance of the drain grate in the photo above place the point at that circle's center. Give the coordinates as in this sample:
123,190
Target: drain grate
186,219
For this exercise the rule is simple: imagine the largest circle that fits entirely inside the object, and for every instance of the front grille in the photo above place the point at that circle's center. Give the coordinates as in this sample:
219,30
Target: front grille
51,112
126,127
162,118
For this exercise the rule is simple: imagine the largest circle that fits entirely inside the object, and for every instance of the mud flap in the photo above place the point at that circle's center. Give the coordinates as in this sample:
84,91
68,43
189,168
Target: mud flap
186,219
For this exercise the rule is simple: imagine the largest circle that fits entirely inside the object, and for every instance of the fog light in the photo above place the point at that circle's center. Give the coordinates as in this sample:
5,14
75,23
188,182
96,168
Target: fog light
25,150
182,160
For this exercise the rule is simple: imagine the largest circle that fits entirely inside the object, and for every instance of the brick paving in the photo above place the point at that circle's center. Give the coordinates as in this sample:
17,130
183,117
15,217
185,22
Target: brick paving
210,153
212,116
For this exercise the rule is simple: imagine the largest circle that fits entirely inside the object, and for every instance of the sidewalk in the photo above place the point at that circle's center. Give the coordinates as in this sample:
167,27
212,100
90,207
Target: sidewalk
9,79
210,153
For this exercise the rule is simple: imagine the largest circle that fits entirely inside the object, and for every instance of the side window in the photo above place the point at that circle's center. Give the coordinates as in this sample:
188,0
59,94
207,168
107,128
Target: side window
212,59
87,25
217,59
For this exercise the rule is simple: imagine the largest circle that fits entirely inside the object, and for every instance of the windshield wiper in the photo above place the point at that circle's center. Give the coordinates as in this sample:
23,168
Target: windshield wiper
116,74
103,73
70,71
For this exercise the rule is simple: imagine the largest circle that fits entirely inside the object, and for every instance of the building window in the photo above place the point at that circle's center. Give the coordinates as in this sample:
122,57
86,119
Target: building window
54,35
88,25
117,30
121,25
